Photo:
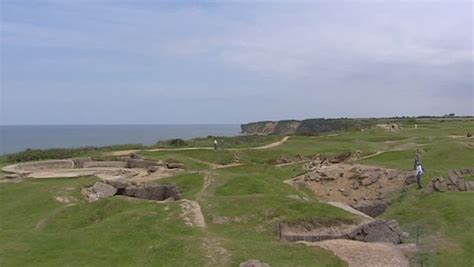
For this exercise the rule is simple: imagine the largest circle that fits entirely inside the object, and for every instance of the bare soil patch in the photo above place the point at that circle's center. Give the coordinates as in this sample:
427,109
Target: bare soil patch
351,183
192,214
360,254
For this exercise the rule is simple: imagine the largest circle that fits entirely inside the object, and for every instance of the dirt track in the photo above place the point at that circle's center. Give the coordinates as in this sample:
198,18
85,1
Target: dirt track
128,152
360,254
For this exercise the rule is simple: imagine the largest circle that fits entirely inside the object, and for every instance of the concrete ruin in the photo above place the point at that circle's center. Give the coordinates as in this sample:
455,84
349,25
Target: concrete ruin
129,168
158,192
387,231
392,127
372,208
97,191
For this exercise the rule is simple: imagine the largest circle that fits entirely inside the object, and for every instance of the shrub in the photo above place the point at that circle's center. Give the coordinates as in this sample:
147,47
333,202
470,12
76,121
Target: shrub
173,143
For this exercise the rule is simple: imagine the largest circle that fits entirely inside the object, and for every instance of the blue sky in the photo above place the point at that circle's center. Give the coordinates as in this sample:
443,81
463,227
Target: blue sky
147,62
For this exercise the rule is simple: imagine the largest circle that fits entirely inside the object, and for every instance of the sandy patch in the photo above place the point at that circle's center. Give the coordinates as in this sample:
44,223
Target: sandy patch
192,214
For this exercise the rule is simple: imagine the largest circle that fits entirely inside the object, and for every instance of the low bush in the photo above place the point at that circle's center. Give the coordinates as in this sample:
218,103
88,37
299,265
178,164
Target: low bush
64,153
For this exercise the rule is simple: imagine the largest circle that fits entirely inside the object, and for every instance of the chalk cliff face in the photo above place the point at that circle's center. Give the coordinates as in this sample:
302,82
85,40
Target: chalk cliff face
271,127
309,126
261,127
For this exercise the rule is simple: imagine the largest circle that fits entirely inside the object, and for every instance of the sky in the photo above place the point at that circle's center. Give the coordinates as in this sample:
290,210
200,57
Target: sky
180,62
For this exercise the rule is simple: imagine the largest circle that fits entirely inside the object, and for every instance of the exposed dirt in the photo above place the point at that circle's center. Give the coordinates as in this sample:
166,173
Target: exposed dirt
208,180
272,145
351,183
65,199
360,254
192,214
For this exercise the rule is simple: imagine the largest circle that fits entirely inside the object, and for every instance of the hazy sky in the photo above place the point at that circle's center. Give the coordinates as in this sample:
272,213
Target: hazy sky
113,62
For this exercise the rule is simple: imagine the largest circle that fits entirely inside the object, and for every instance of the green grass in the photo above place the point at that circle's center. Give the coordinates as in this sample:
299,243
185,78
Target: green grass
242,141
444,222
113,231
469,177
3,163
189,183
242,206
194,159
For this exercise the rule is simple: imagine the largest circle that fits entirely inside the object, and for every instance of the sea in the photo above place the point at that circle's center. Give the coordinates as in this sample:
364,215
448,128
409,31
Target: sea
18,138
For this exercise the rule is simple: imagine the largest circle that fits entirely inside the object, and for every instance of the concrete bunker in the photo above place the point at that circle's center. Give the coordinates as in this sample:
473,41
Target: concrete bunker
132,168
387,231
158,192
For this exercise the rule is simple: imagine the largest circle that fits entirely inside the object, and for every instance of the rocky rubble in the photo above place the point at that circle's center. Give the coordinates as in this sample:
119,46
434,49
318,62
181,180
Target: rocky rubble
317,161
454,182
153,192
363,187
379,231
97,191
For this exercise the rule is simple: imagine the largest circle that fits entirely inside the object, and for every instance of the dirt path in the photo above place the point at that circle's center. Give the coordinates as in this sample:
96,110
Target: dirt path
208,180
192,214
372,155
128,152
218,166
360,254
402,147
292,163
272,145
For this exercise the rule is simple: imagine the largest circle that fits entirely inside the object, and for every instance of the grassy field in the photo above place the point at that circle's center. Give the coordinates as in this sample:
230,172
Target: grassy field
242,206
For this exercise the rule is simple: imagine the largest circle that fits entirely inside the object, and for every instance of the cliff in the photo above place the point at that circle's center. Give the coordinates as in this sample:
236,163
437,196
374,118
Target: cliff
271,127
304,127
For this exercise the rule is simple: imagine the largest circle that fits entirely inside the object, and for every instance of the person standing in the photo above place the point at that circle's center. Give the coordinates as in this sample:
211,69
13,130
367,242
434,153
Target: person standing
419,170
215,144
419,173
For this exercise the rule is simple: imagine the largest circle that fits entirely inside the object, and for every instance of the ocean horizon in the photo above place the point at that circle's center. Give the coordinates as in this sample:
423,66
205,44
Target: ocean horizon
16,138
